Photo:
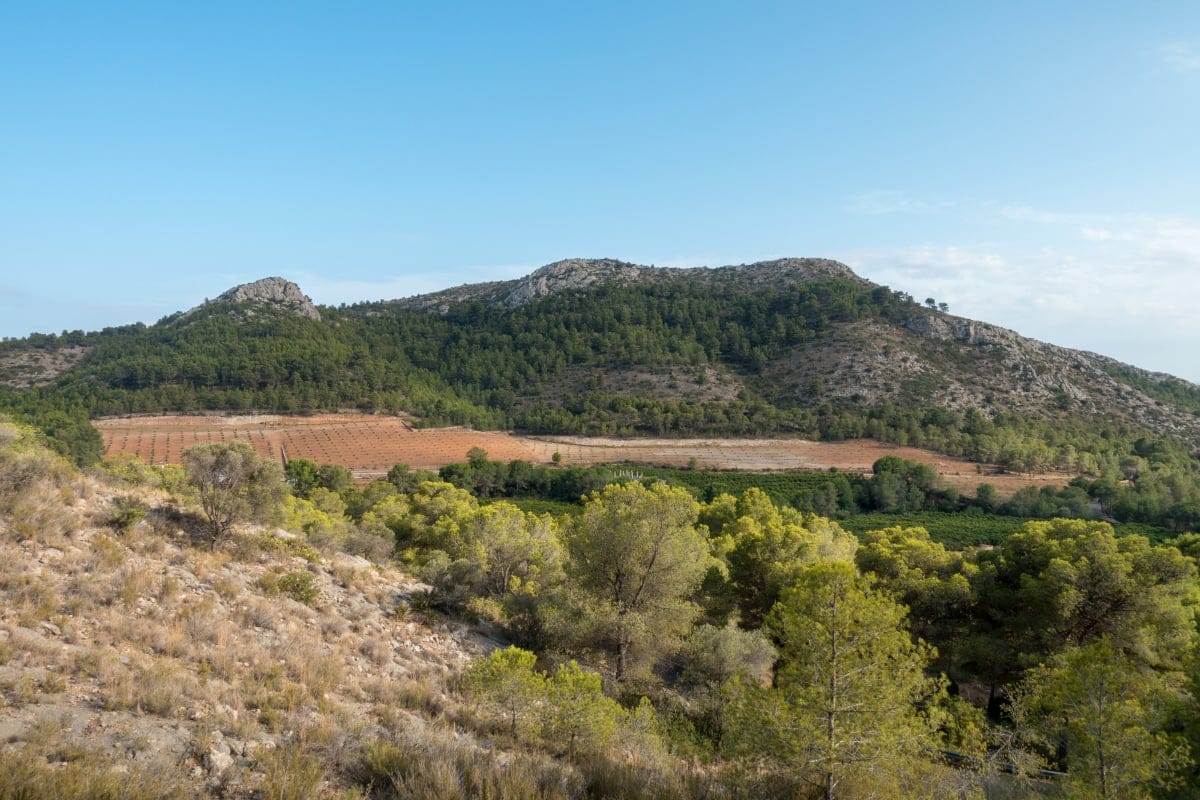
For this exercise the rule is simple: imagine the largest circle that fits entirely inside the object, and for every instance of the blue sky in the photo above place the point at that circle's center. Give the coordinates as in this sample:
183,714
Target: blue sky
1035,165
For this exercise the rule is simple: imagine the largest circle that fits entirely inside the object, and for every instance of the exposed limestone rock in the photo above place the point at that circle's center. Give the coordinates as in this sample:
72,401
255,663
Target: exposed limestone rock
276,292
570,275
968,331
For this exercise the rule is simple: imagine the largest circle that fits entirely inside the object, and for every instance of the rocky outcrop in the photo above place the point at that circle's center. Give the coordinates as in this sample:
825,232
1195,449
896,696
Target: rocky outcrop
274,292
959,329
571,274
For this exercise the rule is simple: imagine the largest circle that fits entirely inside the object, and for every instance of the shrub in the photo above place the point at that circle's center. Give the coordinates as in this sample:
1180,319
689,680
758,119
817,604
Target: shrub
28,466
300,586
27,773
233,484
127,512
712,656
429,767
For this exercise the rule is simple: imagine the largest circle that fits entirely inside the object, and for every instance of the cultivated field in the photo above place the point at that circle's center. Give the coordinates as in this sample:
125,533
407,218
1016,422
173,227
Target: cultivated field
779,454
369,445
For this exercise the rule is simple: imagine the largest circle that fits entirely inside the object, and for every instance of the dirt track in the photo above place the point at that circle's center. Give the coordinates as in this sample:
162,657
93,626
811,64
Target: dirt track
370,445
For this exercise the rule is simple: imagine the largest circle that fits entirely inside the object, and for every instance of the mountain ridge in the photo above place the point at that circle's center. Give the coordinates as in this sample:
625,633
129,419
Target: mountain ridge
800,347
574,274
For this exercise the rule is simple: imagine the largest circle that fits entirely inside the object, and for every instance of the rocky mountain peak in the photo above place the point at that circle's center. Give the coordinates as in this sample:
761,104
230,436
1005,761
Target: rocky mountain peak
571,274
275,292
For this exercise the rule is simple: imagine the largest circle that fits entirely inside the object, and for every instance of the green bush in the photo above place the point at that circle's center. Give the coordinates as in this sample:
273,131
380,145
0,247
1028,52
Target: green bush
300,586
127,512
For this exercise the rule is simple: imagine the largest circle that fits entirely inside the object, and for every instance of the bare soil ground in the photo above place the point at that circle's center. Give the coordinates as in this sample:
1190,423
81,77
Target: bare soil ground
781,454
370,445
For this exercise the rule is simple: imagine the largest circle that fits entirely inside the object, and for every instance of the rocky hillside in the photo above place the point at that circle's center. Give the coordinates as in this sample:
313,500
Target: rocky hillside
951,362
133,654
924,356
271,292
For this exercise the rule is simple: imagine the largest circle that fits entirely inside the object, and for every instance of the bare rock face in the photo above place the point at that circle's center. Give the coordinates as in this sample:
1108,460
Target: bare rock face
276,292
960,329
571,274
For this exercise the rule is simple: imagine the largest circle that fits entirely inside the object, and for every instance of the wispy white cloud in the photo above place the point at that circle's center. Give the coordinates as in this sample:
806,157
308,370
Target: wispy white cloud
1181,56
1022,213
1146,239
892,202
1120,284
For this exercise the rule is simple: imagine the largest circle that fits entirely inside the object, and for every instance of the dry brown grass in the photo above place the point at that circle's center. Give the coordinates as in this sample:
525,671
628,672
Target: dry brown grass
160,686
155,635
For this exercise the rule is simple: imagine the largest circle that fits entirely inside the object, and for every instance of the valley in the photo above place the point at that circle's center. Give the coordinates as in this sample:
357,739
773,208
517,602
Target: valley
369,445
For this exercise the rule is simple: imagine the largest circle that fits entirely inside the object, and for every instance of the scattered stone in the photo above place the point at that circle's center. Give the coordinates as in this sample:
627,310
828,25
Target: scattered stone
219,757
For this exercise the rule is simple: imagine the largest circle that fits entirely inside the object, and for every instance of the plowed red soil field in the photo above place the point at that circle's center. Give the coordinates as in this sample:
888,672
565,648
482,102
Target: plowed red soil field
370,445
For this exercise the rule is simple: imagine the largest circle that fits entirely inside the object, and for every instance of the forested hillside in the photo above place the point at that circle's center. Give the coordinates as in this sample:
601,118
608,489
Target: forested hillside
794,347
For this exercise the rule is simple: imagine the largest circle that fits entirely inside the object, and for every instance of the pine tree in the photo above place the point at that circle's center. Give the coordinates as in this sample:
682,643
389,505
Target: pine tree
1106,718
637,557
845,714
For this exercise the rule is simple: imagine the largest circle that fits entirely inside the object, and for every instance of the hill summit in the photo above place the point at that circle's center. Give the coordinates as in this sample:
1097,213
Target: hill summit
274,291
579,274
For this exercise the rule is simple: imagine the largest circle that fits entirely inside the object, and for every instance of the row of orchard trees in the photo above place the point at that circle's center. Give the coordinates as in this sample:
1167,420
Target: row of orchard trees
811,660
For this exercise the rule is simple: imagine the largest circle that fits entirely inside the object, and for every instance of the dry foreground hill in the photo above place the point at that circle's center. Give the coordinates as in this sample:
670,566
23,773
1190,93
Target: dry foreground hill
137,661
